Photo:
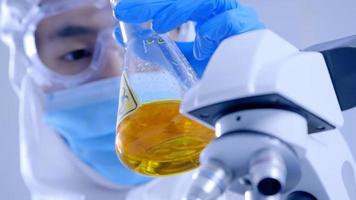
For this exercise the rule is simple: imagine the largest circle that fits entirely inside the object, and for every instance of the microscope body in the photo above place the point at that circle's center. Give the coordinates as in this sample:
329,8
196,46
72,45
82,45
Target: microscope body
276,117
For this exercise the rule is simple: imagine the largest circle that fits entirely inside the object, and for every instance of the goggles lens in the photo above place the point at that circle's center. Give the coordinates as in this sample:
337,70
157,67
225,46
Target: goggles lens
78,43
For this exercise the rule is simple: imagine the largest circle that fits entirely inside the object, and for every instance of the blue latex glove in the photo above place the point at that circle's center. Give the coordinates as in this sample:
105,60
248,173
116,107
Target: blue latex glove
215,20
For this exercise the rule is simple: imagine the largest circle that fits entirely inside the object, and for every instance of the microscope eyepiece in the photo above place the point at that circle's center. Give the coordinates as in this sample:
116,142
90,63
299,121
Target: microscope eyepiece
268,172
269,186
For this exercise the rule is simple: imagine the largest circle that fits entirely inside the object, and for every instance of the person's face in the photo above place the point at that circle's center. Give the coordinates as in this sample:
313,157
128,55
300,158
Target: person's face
66,42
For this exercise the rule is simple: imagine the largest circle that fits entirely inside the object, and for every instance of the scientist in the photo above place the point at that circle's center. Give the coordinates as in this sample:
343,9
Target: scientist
65,68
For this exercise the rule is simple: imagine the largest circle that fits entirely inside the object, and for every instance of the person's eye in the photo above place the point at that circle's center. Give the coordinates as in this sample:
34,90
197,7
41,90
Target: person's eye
77,55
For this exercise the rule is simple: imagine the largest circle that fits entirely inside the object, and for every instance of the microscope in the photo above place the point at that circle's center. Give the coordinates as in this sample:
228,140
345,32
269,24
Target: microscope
276,112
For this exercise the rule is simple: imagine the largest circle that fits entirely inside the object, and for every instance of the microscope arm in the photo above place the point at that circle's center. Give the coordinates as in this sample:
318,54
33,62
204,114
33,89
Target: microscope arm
340,57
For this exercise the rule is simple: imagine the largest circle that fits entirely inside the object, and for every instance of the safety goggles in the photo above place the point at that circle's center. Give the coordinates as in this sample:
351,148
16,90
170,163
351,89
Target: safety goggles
69,42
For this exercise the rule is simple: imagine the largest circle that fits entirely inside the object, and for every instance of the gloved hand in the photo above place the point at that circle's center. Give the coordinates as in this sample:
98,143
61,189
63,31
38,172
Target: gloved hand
215,20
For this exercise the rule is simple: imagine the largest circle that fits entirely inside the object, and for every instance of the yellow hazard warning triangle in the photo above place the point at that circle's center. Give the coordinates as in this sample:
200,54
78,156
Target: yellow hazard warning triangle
128,102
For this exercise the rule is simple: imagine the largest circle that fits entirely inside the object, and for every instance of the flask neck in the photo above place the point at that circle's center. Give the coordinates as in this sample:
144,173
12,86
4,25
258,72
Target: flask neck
131,31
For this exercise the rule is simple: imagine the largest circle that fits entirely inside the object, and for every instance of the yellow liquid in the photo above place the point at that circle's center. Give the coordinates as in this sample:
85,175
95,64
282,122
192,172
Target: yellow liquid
156,140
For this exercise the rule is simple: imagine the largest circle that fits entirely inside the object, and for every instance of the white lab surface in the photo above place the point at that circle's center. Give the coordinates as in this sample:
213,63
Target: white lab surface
302,22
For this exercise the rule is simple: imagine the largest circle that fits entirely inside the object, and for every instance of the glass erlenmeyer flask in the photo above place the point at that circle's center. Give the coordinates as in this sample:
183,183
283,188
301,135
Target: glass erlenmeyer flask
153,138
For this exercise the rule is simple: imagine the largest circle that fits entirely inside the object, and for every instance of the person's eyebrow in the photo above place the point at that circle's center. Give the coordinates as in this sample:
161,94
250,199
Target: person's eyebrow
73,31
